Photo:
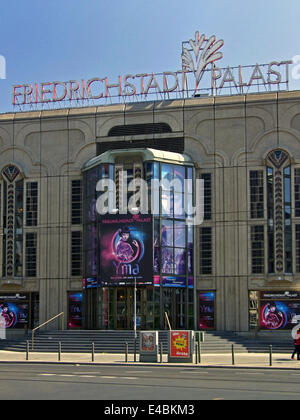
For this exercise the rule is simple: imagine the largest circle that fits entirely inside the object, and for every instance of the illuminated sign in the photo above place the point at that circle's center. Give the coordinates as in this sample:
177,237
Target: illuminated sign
198,75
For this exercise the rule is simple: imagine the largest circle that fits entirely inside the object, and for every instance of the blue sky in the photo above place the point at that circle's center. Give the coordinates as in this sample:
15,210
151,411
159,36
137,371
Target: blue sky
61,40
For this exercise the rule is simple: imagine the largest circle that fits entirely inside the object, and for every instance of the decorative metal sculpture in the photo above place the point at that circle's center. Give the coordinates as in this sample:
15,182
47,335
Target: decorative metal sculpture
204,54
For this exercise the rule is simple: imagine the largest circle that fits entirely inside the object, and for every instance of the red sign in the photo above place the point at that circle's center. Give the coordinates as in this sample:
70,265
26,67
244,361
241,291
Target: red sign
180,344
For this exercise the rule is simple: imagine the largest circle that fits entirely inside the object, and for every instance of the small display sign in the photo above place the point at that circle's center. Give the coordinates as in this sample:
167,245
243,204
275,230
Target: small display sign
148,342
180,344
148,346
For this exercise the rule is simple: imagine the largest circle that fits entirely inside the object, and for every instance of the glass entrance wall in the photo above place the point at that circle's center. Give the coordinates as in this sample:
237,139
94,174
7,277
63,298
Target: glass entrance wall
171,295
173,241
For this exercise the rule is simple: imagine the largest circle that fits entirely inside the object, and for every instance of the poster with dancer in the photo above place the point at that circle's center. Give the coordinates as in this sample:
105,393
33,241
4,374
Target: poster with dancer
126,250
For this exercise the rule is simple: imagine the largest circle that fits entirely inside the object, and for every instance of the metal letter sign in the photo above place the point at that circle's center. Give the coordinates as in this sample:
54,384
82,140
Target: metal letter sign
198,76
209,54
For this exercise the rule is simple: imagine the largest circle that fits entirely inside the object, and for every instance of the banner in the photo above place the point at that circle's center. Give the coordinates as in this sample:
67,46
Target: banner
206,302
75,310
126,250
14,314
279,310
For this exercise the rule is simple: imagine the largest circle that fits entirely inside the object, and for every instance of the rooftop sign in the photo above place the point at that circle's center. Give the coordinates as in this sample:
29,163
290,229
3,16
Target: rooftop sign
199,75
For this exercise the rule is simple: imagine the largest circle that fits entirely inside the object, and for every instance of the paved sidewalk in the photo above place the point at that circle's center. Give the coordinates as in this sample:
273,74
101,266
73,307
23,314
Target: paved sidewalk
244,360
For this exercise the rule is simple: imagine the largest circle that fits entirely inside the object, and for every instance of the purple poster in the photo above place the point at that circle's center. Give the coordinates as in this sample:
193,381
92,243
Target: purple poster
14,314
206,302
279,310
75,310
126,250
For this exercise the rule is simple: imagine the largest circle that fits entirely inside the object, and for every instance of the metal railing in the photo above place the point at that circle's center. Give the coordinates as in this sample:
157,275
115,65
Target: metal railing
167,318
45,323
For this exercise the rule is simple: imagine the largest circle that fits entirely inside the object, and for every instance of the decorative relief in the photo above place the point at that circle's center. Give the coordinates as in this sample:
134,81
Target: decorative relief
278,158
10,173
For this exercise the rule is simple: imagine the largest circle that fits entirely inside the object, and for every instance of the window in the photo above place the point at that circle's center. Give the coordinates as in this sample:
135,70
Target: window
76,254
76,211
257,249
297,192
18,240
31,254
206,250
279,205
287,220
207,196
31,203
270,212
257,194
173,242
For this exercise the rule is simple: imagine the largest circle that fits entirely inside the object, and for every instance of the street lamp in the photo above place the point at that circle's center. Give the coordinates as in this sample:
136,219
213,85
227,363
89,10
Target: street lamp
134,318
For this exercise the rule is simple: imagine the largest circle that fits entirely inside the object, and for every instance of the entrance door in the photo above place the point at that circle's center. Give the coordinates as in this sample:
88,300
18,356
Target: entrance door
174,304
121,308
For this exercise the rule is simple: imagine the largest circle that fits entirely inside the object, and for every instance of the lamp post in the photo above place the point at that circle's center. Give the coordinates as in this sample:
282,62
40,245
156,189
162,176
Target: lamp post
134,318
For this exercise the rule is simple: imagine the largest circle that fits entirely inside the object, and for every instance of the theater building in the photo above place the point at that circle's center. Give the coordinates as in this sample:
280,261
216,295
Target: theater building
236,269
239,269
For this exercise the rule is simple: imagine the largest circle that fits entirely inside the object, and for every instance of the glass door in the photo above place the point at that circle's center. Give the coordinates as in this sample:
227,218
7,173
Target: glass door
124,312
121,308
180,308
175,305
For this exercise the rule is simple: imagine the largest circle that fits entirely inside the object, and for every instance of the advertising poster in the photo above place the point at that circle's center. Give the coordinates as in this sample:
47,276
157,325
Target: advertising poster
206,302
15,314
126,250
180,344
148,341
279,310
75,310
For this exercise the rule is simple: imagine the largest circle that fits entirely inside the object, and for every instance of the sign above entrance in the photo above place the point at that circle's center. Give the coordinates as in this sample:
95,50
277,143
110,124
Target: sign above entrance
199,75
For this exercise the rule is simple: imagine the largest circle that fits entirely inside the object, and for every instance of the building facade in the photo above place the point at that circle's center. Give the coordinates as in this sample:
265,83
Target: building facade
238,270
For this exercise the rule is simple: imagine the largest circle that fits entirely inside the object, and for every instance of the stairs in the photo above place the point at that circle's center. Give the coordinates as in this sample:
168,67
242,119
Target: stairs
80,341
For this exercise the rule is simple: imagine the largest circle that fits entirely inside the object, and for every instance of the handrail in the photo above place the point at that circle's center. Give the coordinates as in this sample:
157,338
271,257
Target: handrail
167,318
45,323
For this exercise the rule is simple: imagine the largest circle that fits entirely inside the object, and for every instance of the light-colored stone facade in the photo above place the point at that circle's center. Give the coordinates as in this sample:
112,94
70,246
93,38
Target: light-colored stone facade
225,136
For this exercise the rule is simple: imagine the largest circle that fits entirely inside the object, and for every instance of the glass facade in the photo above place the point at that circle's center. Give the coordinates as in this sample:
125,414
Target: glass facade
171,292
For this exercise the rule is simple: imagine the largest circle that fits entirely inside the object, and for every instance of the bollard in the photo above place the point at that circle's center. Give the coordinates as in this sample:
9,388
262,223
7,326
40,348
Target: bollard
135,344
232,353
271,356
93,352
196,353
126,352
59,351
199,352
161,352
27,350
135,349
